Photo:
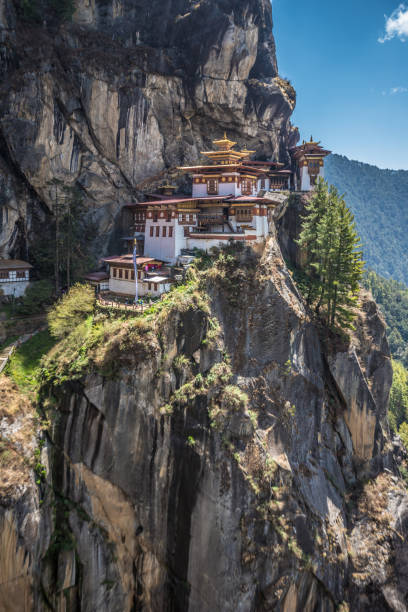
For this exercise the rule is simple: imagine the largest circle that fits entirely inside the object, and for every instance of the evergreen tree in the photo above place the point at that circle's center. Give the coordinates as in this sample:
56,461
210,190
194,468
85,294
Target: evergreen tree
333,256
347,268
315,209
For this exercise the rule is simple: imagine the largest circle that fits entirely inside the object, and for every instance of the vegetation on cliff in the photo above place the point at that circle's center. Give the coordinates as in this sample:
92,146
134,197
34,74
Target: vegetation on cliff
378,199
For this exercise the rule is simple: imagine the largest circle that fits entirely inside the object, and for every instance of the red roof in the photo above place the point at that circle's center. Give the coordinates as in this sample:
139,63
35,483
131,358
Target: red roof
248,199
237,167
178,201
263,163
128,259
14,264
96,276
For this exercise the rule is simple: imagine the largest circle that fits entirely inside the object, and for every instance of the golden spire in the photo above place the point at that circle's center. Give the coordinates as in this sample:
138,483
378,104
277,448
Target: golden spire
224,144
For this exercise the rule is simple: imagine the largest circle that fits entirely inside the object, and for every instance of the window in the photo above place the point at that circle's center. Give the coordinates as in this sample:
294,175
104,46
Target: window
170,232
168,217
4,274
126,274
155,286
120,273
21,274
151,232
114,272
246,187
139,274
157,231
149,286
212,186
164,232
155,217
262,183
132,275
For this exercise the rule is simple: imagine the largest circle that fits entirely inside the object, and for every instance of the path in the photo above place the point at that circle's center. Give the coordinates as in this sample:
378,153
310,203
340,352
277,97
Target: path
6,353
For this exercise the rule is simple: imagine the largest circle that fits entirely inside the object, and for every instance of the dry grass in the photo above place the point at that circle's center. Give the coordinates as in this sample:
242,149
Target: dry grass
17,440
373,501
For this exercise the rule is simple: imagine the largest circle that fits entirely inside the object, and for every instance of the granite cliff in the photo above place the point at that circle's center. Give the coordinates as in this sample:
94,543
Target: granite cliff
224,453
124,92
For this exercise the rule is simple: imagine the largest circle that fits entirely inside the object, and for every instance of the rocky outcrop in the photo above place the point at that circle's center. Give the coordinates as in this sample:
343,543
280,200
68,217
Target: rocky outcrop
244,469
122,94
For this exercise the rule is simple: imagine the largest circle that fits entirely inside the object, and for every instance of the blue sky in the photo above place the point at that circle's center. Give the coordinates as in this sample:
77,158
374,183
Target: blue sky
348,62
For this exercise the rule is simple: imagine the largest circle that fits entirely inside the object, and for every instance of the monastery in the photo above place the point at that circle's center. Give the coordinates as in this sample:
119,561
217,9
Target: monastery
232,200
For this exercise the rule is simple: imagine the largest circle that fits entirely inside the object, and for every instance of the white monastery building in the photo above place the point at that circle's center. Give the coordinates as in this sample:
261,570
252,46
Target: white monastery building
227,203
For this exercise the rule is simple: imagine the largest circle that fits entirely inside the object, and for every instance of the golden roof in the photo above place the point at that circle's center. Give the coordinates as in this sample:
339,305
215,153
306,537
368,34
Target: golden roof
246,153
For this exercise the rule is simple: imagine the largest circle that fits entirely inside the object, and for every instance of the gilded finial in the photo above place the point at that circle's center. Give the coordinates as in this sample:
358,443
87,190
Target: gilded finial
225,135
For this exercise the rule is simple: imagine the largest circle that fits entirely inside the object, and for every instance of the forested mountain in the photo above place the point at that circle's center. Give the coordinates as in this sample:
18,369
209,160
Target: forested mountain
392,297
379,201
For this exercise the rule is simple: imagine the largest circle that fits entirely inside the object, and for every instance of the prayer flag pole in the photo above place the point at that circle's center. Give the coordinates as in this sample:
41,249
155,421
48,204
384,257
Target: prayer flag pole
135,267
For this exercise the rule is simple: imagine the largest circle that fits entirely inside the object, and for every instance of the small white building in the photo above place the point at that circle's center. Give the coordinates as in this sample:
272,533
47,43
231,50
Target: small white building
149,280
308,159
14,276
98,280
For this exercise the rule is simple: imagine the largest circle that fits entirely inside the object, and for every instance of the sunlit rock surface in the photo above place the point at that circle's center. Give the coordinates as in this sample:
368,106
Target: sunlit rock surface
126,92
301,509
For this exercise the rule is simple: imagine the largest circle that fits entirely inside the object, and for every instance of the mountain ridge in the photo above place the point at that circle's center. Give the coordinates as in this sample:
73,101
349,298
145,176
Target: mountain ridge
379,200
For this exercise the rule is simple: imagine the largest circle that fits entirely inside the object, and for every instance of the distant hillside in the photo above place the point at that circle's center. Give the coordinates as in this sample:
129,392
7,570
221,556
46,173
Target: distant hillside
379,201
392,298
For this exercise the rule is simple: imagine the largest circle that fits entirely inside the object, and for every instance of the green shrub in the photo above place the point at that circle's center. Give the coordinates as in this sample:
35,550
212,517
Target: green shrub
73,308
233,398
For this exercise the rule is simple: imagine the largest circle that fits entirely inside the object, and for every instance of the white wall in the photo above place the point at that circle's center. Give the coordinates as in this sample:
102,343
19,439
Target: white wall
226,189
305,179
206,243
261,226
161,248
16,288
126,287
199,190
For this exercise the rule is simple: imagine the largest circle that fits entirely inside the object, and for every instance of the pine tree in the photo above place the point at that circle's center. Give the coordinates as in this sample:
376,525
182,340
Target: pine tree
348,269
308,238
333,259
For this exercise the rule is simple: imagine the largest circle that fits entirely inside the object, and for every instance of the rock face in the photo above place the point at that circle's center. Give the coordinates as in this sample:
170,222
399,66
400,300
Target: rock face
123,93
290,503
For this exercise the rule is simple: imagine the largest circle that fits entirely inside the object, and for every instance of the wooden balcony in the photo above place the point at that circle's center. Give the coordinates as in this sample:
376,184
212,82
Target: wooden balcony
206,219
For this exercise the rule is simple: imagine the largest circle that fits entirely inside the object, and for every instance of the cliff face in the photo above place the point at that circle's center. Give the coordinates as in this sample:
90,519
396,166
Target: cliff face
126,91
237,459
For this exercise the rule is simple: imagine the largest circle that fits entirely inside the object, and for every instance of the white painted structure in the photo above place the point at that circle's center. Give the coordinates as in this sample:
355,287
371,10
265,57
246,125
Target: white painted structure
227,184
309,162
307,181
14,277
122,276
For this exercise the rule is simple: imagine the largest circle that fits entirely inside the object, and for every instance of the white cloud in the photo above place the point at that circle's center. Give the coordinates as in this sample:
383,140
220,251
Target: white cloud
394,91
398,90
396,25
